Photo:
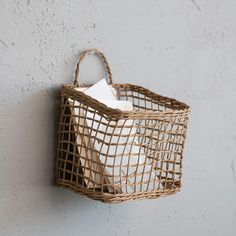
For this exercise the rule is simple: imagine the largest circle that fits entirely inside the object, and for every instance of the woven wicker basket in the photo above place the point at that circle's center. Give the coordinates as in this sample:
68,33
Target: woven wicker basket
141,150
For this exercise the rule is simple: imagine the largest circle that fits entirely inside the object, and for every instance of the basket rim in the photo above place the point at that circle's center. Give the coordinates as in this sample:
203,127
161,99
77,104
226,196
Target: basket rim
178,108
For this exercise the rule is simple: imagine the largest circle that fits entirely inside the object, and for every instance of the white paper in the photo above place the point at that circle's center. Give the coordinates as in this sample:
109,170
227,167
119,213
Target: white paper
122,162
100,91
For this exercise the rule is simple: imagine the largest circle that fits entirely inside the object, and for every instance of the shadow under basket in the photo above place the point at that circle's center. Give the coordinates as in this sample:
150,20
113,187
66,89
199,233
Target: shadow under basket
114,156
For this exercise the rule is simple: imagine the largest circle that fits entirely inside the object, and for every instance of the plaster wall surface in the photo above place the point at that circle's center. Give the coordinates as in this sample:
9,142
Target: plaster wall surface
183,49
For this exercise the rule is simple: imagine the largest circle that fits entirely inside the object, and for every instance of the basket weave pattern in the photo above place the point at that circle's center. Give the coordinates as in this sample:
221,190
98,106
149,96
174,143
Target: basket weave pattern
140,152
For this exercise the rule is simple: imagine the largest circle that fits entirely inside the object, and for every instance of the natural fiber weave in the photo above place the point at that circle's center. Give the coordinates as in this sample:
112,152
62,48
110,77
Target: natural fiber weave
161,125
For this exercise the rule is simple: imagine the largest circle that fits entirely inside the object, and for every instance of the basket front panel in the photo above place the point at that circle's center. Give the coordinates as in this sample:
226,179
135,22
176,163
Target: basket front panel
162,140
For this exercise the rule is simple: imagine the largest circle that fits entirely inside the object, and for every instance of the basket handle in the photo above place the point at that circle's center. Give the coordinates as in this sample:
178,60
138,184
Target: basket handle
101,55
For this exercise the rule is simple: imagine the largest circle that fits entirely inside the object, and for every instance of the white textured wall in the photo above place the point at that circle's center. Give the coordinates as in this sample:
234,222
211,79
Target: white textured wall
180,48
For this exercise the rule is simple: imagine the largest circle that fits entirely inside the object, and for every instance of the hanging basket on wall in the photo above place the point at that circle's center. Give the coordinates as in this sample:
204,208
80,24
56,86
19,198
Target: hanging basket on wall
112,155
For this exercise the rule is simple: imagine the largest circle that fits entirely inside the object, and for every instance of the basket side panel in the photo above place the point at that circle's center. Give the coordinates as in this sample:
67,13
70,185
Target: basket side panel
67,165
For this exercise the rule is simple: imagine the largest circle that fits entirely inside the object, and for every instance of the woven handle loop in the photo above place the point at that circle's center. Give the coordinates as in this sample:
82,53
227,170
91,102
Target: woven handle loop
103,58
